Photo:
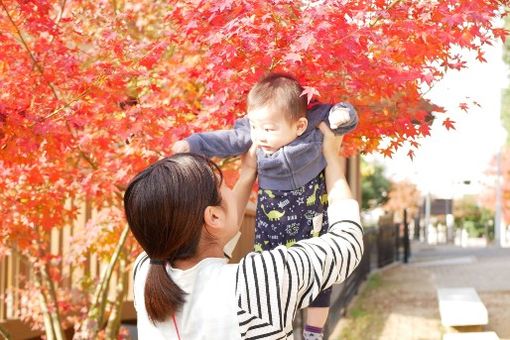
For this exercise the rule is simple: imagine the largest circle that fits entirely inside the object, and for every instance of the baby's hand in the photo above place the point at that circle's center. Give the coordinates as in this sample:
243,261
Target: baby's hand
180,147
338,116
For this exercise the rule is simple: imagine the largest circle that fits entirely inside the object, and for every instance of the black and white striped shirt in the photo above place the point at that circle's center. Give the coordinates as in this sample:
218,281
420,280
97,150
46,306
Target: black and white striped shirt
259,297
273,285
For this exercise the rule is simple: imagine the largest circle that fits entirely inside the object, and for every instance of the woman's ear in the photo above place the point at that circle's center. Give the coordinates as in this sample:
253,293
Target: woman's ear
214,217
302,124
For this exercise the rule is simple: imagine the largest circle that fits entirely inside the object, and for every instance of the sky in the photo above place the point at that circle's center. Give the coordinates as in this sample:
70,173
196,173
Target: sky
448,158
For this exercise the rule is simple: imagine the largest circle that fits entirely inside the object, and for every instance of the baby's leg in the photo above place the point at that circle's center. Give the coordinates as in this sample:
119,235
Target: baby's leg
269,218
317,312
317,315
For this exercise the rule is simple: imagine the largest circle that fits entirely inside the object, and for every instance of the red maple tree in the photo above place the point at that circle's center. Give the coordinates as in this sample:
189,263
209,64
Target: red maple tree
93,91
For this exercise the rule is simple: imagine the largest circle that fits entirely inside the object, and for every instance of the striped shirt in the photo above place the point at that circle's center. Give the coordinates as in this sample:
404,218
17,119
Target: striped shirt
259,297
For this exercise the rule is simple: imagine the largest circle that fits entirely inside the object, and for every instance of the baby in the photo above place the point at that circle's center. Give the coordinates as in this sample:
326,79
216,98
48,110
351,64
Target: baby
292,199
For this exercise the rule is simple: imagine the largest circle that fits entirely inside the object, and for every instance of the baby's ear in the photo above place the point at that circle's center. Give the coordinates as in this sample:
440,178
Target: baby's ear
302,124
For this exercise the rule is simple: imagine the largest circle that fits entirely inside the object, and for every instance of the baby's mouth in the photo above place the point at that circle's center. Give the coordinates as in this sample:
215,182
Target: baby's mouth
267,148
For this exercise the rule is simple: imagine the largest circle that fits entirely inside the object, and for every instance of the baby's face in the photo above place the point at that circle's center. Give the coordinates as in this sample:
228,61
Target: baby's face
271,130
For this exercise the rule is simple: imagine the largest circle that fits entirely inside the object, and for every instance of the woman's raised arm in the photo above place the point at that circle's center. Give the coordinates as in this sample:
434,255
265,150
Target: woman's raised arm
336,184
244,184
273,285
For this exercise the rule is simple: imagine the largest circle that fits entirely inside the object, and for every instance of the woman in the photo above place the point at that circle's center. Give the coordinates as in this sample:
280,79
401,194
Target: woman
182,214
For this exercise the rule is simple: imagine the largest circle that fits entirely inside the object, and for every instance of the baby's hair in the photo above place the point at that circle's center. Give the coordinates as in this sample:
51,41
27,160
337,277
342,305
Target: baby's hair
281,92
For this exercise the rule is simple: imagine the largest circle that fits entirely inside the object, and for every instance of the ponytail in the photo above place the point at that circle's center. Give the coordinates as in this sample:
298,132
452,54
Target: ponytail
163,297
164,207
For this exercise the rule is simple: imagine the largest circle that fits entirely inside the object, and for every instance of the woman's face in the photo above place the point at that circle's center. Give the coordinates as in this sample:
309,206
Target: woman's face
229,207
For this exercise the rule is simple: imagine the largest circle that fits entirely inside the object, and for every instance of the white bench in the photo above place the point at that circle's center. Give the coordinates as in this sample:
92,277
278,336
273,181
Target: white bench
461,307
471,336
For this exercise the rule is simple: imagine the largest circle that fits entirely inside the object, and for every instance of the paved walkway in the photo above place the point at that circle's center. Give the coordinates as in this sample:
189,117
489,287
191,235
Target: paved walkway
400,302
485,269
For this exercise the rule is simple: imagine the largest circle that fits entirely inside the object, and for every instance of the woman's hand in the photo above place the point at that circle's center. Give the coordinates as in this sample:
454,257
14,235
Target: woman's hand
337,186
249,160
244,184
331,144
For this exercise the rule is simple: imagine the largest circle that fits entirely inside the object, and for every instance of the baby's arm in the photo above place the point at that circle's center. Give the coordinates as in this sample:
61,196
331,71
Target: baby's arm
342,115
223,143
341,118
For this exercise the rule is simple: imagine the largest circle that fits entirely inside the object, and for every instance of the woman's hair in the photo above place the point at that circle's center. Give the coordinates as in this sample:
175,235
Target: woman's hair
281,92
164,207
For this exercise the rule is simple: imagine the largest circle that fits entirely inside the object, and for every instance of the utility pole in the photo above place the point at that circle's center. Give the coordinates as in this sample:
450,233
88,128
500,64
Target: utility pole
427,218
407,245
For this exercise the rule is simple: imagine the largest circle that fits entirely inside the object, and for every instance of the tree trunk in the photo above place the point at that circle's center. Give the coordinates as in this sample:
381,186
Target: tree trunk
95,317
6,335
48,325
54,312
113,326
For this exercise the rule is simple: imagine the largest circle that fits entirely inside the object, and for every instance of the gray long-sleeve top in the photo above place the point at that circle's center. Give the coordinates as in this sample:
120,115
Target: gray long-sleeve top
291,166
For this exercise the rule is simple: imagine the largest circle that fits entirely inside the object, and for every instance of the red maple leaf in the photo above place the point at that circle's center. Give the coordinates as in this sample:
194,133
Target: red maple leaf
410,154
309,92
449,124
387,152
65,140
424,129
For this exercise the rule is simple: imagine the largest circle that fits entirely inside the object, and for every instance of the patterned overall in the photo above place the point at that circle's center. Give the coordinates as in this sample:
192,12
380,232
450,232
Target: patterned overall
287,216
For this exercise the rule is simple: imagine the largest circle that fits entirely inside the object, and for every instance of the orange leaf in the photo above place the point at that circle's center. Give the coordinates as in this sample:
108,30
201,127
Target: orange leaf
410,154
449,124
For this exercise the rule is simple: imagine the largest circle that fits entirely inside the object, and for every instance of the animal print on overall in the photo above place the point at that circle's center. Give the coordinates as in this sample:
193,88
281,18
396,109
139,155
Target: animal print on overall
287,216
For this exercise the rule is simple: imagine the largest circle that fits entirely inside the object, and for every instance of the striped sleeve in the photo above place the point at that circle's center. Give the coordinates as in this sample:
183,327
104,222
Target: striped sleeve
273,285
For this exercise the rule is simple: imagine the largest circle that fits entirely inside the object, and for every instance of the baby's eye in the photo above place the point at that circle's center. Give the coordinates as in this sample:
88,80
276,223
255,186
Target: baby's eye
268,129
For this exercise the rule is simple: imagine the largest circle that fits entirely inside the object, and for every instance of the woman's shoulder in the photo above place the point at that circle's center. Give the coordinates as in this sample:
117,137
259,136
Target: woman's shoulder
143,255
141,259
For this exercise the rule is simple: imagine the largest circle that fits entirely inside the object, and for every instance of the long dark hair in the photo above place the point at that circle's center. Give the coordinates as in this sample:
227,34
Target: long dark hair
164,207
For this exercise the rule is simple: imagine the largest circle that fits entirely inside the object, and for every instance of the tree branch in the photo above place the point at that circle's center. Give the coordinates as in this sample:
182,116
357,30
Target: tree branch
54,311
49,300
59,18
373,23
61,14
393,4
97,309
48,325
24,43
114,320
63,107
6,335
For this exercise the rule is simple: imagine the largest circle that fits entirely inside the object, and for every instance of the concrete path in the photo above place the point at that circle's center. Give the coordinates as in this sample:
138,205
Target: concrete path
485,269
401,303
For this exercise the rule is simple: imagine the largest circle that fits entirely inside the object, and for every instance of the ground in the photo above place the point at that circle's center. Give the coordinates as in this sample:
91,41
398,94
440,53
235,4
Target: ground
400,302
